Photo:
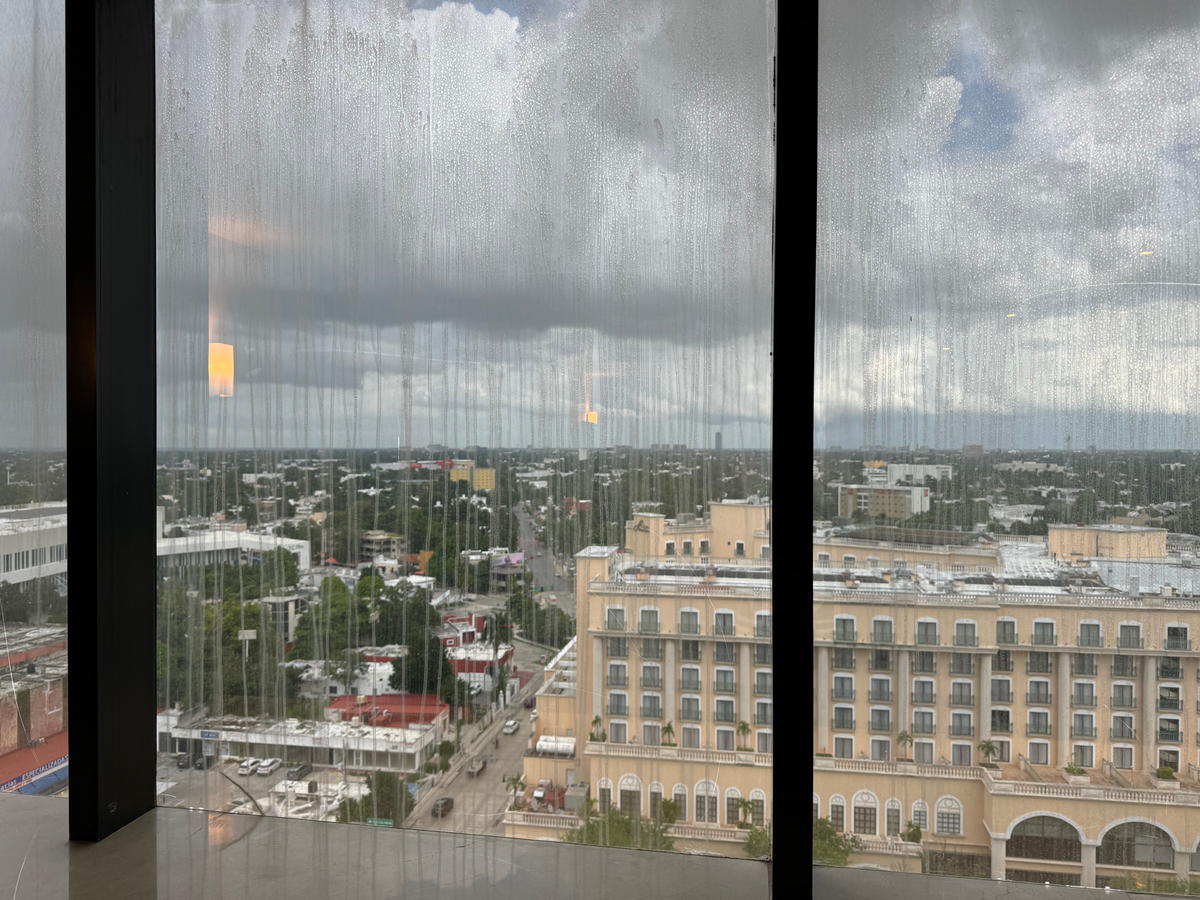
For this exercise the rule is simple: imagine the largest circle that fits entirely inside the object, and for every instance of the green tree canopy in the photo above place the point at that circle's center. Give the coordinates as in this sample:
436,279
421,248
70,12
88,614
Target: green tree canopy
613,828
830,848
386,798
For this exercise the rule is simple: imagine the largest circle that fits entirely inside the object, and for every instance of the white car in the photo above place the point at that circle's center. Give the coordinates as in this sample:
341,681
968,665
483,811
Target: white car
249,766
511,726
268,766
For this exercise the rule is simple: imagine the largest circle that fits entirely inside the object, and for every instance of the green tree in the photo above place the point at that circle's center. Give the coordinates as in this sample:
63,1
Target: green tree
516,784
386,798
332,624
903,741
989,750
758,844
743,732
831,848
668,735
613,828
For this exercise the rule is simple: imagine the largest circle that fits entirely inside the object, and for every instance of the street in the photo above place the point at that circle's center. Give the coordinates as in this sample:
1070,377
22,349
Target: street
542,568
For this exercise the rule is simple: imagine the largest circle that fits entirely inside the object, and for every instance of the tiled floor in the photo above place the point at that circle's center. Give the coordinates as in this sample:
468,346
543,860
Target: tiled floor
176,853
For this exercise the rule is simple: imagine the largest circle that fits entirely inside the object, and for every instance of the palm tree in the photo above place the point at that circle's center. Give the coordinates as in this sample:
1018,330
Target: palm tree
904,740
516,784
743,731
988,749
597,729
745,808
668,734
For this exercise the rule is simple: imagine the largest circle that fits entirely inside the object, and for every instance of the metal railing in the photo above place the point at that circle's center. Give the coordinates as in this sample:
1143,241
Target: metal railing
763,690
719,716
1039,668
1175,643
618,680
652,652
693,715
762,718
1083,668
618,709
880,696
724,630
924,668
876,665
960,700
1124,702
1170,703
960,668
838,725
1123,734
924,729
1044,640
722,686
928,640
843,695
1007,638
1002,727
923,697
1170,672
1124,670
1037,728
651,712
1130,643
1002,696
761,630
962,730
1170,737
1085,641
841,634
651,682
1083,731
966,640
1083,700
879,725
690,684
1038,698
1002,666
883,637
648,628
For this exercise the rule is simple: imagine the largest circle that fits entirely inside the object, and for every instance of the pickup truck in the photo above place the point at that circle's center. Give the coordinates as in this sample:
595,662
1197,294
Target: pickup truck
476,766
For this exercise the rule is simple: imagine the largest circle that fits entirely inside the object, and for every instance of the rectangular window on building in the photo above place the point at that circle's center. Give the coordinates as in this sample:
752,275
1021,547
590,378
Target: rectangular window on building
922,722
1123,757
711,804
670,548
631,803
758,812
1083,755
1123,696
864,820
651,648
960,755
604,798
1039,753
764,742
739,548
651,735
920,817
881,750
725,739
687,548
690,651
704,550
1006,632
690,737
949,823
618,647
616,732
893,820
762,654
1089,635
837,817
689,623
689,678
655,805
927,633
923,752
616,619
681,802
725,652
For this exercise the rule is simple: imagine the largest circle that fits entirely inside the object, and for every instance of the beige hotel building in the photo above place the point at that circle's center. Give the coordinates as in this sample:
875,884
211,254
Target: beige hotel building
666,690
912,672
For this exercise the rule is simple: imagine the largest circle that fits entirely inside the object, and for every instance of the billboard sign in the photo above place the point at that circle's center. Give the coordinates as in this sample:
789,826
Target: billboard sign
508,561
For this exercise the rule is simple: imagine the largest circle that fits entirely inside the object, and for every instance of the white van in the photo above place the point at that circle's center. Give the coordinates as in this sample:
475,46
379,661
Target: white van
249,766
268,766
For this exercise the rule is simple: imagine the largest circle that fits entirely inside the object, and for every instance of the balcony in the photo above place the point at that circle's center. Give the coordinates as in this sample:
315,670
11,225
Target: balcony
1002,727
921,728
962,730
960,668
1044,640
724,686
1124,670
762,689
726,629
1083,699
651,712
1125,703
1177,643
1123,734
879,665
1032,668
648,627
693,715
651,649
694,656
877,637
929,668
654,683
844,635
1038,698
727,715
1002,696
880,695
619,651
1130,643
763,631
1169,673
1087,641
1083,731
618,680
693,684
844,694
1038,728
966,640
962,700
618,709
1083,668
1170,737
1171,703
923,697
1007,638
615,626
1002,665
927,640
880,726
763,718
838,724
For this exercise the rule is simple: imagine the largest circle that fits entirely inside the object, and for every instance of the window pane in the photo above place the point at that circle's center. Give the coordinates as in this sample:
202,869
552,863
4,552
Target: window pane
443,292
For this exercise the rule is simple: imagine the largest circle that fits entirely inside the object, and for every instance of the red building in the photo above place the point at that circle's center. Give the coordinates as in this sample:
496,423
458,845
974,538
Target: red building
478,657
572,506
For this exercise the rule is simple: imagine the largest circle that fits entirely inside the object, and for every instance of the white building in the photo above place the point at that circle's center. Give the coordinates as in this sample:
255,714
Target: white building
33,542
230,547
898,472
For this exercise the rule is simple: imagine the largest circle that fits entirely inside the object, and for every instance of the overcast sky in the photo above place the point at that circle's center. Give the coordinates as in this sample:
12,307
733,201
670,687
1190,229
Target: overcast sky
468,223
1008,227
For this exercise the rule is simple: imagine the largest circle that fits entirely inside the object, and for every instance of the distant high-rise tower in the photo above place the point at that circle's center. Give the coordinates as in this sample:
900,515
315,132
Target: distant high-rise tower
1068,443
718,442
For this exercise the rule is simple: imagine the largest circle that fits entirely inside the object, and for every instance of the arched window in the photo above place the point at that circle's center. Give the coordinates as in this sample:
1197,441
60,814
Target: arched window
865,813
948,816
656,798
1045,837
837,812
630,795
758,807
1140,844
816,806
893,816
706,802
603,794
733,806
679,794
920,814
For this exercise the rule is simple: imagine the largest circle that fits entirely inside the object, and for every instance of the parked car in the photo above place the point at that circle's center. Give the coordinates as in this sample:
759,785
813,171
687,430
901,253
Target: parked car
249,766
511,726
268,766
184,761
529,702
442,806
478,764
295,773
201,763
